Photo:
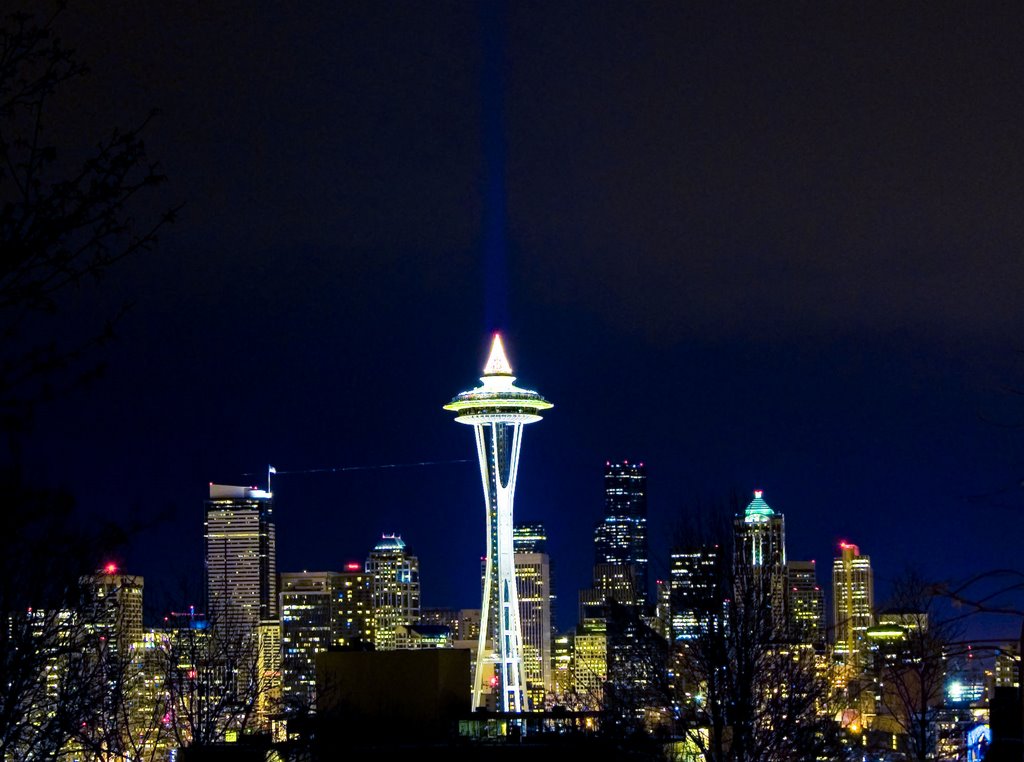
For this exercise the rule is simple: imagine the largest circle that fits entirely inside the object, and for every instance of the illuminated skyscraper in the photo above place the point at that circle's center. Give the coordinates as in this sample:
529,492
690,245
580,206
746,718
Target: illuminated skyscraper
533,583
241,590
805,604
497,410
620,538
396,589
113,601
354,619
307,629
696,592
852,603
241,558
759,563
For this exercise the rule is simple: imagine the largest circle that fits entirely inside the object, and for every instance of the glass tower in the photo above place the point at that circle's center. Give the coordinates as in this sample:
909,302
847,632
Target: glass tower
497,411
621,537
695,590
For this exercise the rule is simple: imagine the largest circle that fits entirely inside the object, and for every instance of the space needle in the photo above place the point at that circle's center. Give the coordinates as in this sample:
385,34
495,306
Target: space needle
497,411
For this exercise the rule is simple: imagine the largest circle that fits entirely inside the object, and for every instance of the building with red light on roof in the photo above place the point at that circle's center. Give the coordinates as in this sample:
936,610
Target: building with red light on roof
853,605
759,557
114,602
354,620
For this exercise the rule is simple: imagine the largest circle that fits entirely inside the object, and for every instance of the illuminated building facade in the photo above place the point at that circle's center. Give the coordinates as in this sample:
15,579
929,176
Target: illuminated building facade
418,636
563,681
620,538
497,410
445,617
695,589
113,604
354,620
590,659
662,621
396,589
759,562
533,584
307,629
268,665
853,604
241,558
1006,666
805,604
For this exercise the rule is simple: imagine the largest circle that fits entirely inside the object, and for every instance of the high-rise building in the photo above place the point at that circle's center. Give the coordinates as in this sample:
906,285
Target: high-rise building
354,617
662,620
307,629
564,683
530,538
759,562
696,592
241,559
113,605
805,604
396,588
620,538
590,659
853,605
533,584
268,675
497,410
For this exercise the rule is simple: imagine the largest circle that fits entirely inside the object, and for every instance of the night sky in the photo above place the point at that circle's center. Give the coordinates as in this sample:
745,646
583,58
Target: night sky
773,247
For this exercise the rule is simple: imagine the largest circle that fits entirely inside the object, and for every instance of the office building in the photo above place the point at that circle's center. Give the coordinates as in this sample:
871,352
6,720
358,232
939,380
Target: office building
759,562
620,538
113,606
307,603
530,538
241,559
852,605
590,658
354,622
1006,666
533,584
498,410
418,636
449,618
396,589
805,604
695,589
563,681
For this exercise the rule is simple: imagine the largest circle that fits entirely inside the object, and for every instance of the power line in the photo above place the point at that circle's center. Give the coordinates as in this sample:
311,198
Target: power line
339,469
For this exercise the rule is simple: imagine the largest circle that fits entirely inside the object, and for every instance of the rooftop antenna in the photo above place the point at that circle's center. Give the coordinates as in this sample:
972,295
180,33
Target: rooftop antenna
270,470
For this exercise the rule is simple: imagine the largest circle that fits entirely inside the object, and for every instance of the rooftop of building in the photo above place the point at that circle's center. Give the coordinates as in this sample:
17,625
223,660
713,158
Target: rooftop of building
390,542
758,509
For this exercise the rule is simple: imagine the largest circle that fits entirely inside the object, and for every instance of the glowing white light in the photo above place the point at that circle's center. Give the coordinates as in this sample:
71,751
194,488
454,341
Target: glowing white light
497,363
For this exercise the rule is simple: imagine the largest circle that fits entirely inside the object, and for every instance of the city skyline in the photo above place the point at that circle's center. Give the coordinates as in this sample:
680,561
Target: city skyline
726,271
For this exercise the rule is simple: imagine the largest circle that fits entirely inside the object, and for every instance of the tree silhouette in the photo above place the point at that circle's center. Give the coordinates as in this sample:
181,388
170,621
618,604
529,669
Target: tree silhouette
63,218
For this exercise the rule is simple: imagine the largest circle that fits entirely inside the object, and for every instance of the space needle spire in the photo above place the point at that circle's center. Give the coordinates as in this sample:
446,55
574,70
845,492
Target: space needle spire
497,411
